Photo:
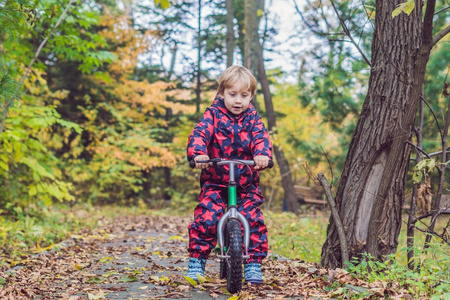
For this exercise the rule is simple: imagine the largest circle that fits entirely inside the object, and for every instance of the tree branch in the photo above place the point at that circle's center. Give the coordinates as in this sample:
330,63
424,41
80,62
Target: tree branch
306,22
441,10
36,55
337,219
347,32
434,115
419,149
440,35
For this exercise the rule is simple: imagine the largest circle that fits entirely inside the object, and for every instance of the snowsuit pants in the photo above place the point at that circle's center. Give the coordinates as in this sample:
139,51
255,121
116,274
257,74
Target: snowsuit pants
212,203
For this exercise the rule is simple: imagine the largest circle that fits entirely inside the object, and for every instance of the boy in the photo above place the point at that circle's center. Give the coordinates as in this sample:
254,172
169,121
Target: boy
231,129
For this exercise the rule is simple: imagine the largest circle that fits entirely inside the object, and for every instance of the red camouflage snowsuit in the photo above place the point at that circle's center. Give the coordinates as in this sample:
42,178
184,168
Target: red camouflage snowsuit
221,134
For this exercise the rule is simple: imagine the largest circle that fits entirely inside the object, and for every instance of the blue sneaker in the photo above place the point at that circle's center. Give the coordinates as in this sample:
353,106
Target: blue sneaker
196,265
252,273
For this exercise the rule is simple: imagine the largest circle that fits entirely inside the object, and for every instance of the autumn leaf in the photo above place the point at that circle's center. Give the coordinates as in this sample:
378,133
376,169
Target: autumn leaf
130,278
201,279
95,280
191,281
406,7
106,259
100,295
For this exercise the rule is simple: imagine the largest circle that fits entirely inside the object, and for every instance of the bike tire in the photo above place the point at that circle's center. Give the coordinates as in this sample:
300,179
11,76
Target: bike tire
223,262
234,262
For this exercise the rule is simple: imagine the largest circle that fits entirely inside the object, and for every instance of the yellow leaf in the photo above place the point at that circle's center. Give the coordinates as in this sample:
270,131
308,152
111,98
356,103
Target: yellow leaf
178,238
397,11
38,249
409,7
143,287
234,298
106,259
110,274
201,279
191,281
406,7
78,266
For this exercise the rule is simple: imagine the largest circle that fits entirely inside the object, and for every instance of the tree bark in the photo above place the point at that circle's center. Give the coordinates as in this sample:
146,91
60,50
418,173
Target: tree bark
283,164
230,31
371,190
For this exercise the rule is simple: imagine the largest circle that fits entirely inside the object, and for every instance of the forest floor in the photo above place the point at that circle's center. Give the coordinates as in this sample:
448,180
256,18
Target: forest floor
145,257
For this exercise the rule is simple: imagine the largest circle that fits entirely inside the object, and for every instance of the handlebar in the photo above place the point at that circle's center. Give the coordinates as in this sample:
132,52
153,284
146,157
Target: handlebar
221,162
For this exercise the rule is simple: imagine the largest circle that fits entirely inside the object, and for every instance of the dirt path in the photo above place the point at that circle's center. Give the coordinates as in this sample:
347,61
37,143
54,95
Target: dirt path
145,257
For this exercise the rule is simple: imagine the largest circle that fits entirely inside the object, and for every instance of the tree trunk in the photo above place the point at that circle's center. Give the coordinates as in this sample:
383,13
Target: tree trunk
230,31
371,189
172,61
283,164
251,42
199,57
412,209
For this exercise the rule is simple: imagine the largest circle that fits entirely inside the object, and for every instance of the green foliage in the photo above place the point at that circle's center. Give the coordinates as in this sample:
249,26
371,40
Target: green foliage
428,278
28,169
422,169
8,87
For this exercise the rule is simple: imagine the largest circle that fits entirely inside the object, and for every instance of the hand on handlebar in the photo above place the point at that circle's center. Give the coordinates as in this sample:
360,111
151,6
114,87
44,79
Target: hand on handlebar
201,165
261,162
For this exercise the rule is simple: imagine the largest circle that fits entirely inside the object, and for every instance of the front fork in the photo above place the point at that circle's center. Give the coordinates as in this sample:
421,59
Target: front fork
232,213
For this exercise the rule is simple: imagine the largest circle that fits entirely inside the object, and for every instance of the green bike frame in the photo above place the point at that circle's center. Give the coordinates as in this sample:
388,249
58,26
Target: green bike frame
232,212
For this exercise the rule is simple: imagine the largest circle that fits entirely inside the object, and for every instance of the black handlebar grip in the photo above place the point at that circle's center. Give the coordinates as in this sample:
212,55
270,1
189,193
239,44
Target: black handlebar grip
270,166
192,164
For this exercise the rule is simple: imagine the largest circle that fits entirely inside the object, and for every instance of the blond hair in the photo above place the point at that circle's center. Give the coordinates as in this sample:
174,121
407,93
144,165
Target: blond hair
236,74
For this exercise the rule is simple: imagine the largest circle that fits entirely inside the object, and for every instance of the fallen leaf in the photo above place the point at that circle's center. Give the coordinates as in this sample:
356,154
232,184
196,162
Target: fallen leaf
100,295
201,279
130,278
106,259
191,281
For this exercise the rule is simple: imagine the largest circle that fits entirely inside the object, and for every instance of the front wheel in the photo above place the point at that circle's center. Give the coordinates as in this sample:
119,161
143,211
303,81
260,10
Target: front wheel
223,262
234,262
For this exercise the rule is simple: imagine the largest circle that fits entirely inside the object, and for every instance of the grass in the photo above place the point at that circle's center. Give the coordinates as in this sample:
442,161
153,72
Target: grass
294,236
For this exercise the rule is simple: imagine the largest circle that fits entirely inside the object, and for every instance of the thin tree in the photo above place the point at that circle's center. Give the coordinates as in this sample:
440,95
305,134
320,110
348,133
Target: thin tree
283,164
198,87
230,39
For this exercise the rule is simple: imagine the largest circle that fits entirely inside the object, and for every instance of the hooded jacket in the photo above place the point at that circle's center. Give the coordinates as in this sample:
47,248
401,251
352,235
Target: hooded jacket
221,134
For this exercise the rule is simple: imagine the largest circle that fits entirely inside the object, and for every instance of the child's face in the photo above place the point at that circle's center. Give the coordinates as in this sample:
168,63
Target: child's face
237,98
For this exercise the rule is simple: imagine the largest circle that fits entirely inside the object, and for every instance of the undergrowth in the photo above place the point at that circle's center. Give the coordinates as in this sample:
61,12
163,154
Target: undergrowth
429,278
